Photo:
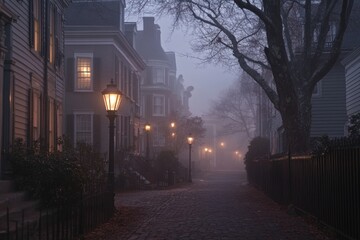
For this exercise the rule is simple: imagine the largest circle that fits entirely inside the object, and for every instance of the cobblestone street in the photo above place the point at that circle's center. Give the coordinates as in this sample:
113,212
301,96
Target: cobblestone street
220,205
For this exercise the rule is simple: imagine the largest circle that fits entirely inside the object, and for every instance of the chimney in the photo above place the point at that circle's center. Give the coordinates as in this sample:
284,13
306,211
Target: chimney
148,24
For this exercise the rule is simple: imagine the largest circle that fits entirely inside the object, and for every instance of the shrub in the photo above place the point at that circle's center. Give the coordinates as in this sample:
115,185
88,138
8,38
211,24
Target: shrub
258,148
354,126
56,177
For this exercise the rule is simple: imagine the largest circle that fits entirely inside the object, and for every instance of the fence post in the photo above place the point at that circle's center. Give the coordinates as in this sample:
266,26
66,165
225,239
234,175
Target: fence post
290,177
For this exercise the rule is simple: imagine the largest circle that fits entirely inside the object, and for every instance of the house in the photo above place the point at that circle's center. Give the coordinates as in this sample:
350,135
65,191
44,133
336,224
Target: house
163,96
352,70
32,75
100,49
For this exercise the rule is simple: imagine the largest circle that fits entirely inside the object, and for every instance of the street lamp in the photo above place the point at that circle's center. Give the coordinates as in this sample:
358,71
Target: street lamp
190,140
112,98
147,130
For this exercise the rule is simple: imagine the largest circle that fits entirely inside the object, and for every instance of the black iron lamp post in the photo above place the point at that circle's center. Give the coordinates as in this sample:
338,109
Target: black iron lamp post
112,98
190,140
147,130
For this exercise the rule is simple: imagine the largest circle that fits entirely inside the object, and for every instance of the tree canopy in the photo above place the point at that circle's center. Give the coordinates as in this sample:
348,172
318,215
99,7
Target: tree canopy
297,41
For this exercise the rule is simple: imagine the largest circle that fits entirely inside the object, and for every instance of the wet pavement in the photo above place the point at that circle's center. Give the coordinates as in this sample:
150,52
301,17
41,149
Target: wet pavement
219,205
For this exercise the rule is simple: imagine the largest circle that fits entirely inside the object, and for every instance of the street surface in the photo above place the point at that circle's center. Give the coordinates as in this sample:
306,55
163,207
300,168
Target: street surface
219,205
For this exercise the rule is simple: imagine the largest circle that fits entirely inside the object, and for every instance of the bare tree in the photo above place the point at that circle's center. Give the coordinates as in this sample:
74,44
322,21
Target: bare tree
237,107
265,35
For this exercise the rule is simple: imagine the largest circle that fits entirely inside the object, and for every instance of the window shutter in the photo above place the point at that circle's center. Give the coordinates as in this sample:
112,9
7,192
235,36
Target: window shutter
70,74
148,78
31,24
69,128
97,132
30,117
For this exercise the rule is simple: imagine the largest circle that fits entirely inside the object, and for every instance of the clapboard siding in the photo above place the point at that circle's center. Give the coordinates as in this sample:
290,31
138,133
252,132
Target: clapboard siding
352,65
27,62
329,109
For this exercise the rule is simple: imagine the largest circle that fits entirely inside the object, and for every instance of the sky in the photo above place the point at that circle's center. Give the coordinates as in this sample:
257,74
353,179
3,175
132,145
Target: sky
208,80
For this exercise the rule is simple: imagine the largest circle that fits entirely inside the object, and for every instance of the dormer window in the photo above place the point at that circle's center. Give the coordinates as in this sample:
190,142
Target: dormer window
158,75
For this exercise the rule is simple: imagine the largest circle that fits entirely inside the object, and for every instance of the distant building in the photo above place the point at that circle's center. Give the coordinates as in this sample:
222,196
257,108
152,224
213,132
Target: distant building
32,76
162,93
100,48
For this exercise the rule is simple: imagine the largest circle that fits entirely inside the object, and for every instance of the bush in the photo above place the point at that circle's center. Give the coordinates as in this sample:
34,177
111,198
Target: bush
56,177
258,148
354,127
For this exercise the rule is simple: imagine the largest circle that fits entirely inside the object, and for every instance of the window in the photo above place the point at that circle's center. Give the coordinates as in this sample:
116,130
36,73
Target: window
159,137
52,35
159,105
51,125
36,116
84,72
37,25
317,90
158,75
83,128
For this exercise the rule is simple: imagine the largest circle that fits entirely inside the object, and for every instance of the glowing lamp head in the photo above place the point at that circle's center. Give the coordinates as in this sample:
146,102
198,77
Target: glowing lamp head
172,124
112,97
147,127
190,139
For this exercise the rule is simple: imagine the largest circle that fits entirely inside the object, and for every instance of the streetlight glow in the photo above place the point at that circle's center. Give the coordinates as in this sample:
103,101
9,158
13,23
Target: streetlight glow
190,140
112,98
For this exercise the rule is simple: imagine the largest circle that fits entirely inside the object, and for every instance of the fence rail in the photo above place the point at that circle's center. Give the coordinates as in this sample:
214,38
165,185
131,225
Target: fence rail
62,222
325,186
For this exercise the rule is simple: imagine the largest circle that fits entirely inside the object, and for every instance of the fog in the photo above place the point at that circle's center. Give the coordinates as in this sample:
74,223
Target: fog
208,80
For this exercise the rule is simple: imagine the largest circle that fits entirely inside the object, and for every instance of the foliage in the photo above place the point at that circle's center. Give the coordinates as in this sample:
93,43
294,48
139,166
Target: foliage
236,107
56,177
321,144
259,147
354,127
287,39
166,161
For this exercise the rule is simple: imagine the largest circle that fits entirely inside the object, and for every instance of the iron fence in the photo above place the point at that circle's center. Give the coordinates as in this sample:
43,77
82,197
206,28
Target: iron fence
63,222
325,185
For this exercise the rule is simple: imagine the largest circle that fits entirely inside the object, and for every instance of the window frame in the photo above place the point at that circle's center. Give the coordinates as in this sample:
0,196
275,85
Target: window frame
91,114
83,55
162,114
155,75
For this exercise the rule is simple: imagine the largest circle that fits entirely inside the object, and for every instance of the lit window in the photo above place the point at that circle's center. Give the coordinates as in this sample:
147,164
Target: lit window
37,17
36,116
159,105
158,75
83,78
83,128
52,37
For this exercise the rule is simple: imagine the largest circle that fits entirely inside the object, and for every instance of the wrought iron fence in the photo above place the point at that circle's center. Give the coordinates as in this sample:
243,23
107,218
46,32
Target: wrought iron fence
325,185
64,222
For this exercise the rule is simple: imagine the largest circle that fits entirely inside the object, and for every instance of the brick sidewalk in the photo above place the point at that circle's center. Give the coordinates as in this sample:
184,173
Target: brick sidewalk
219,206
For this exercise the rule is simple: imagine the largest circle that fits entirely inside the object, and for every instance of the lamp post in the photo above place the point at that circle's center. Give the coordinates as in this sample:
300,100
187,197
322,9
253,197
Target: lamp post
147,130
112,98
190,140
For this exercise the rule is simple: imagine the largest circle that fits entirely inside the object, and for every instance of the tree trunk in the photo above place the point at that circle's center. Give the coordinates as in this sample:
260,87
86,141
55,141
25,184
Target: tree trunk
296,116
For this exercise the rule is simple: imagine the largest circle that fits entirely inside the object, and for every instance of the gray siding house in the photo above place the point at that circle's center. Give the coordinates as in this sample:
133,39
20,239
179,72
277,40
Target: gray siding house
32,76
352,75
98,51
157,88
